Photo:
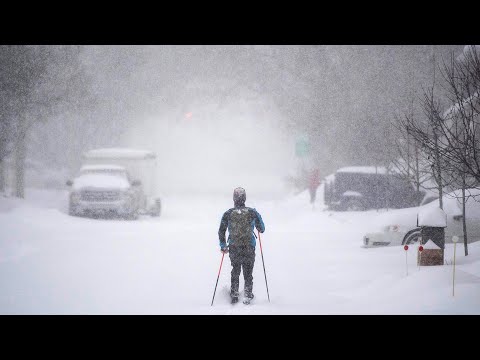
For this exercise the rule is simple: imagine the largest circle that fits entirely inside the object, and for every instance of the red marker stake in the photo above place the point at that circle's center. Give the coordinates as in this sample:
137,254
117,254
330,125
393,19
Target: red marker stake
406,257
420,248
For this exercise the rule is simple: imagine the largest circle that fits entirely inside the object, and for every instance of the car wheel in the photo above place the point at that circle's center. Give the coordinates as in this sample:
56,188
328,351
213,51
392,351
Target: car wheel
354,205
412,237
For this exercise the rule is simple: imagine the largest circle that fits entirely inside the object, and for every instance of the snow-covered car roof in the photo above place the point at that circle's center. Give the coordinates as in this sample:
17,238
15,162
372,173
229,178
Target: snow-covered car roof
119,153
102,167
100,181
363,169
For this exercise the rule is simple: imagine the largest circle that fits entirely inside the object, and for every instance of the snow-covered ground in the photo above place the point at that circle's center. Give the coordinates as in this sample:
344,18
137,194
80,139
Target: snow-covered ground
51,263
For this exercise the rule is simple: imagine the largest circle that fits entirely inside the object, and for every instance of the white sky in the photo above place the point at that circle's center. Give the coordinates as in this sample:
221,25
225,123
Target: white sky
216,150
51,263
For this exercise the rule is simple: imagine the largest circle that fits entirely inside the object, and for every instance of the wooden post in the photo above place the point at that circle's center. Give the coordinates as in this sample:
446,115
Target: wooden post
406,257
455,240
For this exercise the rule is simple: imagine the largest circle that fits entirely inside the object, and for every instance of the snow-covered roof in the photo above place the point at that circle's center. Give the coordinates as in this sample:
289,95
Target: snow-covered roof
119,153
432,216
456,107
468,50
363,169
102,167
431,245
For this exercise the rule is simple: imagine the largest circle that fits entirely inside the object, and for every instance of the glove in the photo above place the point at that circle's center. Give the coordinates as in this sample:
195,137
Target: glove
224,250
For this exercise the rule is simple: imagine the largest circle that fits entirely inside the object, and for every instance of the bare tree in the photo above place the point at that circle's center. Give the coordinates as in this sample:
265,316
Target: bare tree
22,67
451,138
423,134
409,160
36,81
460,123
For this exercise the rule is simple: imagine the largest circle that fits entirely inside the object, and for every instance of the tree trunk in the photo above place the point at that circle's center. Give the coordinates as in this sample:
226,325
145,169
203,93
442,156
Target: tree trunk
376,188
2,177
20,155
408,157
417,172
465,239
439,169
3,183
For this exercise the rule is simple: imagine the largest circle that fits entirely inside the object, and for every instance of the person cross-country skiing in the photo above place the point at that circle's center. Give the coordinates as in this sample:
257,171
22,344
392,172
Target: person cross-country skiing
240,222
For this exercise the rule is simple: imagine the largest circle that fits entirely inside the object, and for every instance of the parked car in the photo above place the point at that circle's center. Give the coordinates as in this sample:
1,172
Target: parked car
359,188
115,180
104,189
399,227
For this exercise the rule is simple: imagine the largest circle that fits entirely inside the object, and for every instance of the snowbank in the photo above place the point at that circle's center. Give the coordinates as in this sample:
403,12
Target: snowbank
52,263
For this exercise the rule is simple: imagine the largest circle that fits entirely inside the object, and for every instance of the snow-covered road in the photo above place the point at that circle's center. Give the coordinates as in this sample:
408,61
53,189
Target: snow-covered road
51,263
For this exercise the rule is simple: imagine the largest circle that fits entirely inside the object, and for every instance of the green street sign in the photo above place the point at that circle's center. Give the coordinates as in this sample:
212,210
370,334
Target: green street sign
302,147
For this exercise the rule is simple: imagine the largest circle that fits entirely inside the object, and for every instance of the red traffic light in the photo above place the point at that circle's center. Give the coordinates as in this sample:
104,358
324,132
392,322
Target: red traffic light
420,248
405,247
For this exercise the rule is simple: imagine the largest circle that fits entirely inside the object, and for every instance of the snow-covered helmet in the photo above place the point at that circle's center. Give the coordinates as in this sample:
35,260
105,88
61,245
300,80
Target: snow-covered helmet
239,196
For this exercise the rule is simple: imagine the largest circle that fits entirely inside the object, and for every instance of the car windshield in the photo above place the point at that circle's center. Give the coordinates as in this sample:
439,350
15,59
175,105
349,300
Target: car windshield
359,182
112,172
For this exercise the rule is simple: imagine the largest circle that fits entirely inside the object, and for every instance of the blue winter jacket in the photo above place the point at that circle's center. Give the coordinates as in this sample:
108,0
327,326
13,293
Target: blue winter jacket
256,222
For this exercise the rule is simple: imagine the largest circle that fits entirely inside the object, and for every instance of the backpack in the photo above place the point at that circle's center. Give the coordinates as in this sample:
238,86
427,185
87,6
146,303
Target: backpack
240,228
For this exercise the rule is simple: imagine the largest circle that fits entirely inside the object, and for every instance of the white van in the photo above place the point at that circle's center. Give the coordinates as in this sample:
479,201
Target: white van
120,180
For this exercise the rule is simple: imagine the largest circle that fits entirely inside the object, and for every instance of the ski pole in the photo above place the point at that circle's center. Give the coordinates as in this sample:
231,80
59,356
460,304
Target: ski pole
214,291
263,262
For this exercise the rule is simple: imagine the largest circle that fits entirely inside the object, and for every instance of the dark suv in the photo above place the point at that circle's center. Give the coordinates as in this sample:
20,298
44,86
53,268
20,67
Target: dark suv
365,188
